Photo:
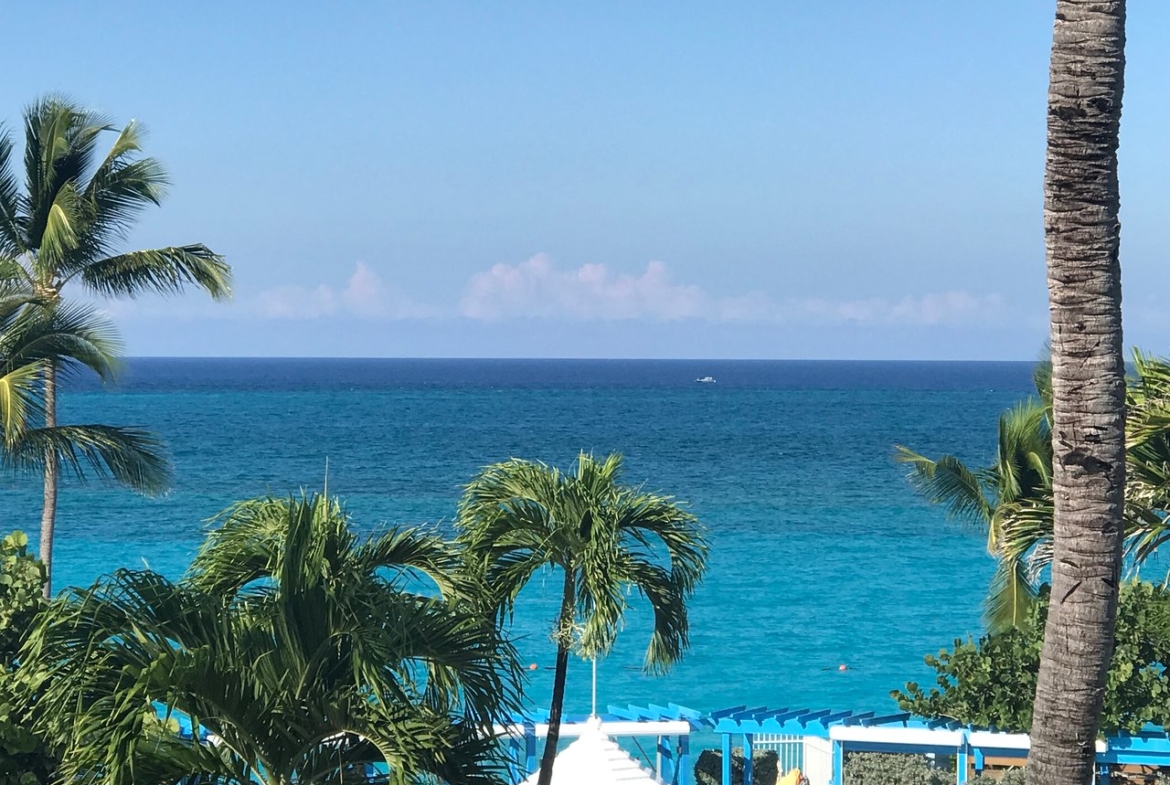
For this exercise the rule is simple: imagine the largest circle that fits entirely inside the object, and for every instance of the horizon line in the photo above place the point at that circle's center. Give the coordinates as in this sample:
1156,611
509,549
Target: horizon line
577,359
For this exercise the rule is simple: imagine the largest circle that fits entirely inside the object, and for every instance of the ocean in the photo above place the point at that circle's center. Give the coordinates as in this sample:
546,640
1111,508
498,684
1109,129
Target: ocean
822,554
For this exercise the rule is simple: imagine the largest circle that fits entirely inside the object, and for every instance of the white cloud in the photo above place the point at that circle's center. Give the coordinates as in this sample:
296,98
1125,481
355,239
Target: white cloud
537,288
364,295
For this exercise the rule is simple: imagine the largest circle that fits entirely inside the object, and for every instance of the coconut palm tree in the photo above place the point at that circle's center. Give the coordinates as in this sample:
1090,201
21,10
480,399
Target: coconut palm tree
66,225
296,653
1014,503
519,518
990,496
1082,236
74,337
1028,525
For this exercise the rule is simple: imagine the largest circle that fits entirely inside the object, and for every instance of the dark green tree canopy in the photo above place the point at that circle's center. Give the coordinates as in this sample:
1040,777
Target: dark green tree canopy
25,758
991,682
304,650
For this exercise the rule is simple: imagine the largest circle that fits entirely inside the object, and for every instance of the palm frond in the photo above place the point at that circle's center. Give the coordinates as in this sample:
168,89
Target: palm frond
11,220
13,273
59,236
519,517
161,270
128,456
415,552
119,190
60,143
1027,532
1010,596
948,482
20,401
66,334
324,671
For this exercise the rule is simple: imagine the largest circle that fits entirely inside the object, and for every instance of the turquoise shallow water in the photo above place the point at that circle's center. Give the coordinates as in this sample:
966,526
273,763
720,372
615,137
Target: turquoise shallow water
821,553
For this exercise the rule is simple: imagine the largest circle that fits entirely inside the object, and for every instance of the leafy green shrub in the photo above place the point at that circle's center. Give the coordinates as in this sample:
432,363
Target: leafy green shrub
24,759
880,768
709,767
1009,777
21,579
991,683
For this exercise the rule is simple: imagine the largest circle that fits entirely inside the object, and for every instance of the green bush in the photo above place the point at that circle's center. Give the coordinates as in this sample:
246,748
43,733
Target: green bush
1009,777
879,768
991,683
24,759
709,767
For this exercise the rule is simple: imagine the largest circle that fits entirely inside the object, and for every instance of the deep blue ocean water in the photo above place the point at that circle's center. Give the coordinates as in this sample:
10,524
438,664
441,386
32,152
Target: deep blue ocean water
821,552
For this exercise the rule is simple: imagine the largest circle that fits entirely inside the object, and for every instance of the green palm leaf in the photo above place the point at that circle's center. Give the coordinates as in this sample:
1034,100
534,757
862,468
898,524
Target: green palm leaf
321,667
131,457
11,228
1010,596
161,270
18,401
608,541
949,483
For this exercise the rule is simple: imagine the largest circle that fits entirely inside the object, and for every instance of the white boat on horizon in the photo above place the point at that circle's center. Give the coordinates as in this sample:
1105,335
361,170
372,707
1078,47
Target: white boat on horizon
706,380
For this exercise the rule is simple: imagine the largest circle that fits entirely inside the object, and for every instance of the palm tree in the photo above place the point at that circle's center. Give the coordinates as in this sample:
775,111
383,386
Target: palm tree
295,651
1028,525
518,518
1147,449
991,496
75,209
1082,235
33,336
1014,502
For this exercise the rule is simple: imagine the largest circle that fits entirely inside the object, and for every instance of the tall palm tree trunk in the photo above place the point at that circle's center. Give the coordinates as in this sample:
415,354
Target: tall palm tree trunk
1082,236
564,641
49,510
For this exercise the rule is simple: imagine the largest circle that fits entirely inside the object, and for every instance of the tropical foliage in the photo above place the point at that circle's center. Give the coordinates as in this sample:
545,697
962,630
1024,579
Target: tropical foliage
74,337
63,218
1011,499
25,759
879,768
991,682
991,496
296,651
520,518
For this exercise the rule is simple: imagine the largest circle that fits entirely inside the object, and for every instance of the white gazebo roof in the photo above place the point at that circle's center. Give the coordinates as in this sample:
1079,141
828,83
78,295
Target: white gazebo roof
596,759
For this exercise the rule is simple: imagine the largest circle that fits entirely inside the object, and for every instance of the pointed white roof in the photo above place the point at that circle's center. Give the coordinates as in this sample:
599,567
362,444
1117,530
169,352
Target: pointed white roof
596,759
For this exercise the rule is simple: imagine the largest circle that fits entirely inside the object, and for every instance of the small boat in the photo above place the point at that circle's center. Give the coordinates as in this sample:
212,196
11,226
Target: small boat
706,380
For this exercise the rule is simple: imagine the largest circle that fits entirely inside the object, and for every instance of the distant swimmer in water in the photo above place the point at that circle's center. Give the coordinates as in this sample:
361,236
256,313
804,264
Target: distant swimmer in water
840,668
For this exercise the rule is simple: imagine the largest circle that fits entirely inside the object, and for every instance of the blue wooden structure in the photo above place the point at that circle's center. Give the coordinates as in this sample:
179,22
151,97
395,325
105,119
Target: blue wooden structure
835,732
848,731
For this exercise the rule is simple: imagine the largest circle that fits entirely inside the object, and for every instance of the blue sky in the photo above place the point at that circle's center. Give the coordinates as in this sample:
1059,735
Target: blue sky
778,180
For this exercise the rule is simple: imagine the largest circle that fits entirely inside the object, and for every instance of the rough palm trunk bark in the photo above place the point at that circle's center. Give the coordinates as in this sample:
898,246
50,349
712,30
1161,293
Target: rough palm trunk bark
564,627
49,509
1082,237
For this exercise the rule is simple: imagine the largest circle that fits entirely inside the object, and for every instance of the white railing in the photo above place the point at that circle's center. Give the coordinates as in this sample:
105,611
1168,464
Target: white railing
789,749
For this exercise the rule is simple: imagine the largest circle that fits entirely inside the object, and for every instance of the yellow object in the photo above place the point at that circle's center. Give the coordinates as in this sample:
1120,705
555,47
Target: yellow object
791,778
